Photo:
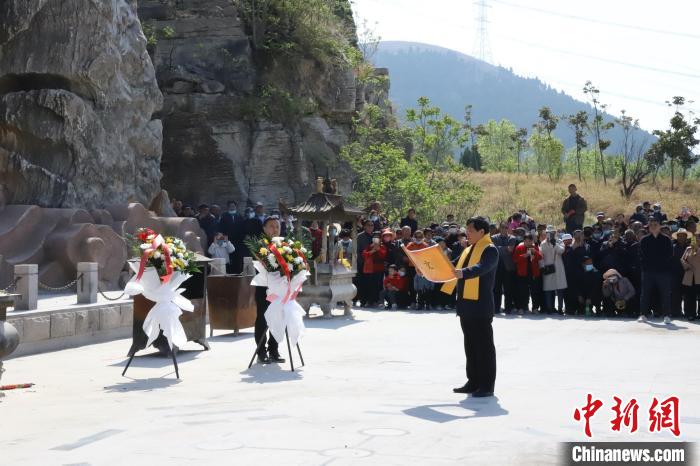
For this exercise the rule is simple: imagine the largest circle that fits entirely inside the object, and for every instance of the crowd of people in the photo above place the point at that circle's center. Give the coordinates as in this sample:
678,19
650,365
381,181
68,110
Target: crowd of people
635,265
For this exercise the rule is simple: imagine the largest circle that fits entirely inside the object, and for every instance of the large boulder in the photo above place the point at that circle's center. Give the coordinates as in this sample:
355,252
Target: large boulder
218,143
77,97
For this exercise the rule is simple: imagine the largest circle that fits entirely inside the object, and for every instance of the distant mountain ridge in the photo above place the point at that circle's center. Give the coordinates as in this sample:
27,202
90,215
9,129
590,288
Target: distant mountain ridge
452,80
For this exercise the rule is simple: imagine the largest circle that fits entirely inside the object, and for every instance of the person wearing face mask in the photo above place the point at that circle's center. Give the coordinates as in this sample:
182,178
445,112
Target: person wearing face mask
505,270
617,292
571,272
390,246
553,272
417,243
345,245
232,225
639,216
395,288
364,239
376,220
526,257
658,215
222,248
590,291
592,237
373,268
253,224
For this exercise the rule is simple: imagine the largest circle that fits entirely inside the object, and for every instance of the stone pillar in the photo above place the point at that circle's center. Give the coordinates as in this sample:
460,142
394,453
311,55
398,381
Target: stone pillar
27,286
87,285
218,266
248,267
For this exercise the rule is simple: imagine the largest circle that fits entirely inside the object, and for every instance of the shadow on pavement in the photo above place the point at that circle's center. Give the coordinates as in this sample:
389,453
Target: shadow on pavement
465,409
158,360
143,385
271,373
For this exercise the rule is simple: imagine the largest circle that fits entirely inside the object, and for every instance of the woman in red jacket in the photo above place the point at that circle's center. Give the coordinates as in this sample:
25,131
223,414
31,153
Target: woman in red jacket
373,270
527,257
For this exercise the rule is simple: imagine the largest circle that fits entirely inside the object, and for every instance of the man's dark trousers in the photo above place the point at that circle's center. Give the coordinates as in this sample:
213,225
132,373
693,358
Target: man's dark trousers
660,281
480,351
262,303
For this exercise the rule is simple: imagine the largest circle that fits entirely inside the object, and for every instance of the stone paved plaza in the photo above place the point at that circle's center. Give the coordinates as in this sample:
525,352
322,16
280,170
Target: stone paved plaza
377,389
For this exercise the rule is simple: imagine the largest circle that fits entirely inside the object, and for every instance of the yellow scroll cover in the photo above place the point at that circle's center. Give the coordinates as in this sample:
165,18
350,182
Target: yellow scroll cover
432,263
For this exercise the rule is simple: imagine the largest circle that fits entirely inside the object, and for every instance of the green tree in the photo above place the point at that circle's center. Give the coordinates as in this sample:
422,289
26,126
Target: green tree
389,164
520,141
579,123
470,157
548,152
547,149
497,146
634,166
436,135
676,143
599,124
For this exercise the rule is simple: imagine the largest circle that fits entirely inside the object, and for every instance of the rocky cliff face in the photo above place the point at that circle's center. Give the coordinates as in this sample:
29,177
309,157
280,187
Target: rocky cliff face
77,96
215,146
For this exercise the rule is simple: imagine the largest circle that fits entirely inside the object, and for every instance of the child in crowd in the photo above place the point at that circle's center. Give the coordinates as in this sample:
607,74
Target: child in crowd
395,290
221,248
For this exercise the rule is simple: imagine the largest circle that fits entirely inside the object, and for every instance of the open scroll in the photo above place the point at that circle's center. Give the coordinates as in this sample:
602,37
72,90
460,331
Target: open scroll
432,263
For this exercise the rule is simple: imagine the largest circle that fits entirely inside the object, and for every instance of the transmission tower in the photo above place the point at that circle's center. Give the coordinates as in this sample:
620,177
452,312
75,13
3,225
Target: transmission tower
482,48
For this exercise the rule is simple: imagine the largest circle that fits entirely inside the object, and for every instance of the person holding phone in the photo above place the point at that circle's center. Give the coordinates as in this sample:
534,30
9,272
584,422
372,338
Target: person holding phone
373,269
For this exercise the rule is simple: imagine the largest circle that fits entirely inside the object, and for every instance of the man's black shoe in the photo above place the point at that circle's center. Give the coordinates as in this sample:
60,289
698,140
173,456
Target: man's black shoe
466,388
482,394
263,359
276,358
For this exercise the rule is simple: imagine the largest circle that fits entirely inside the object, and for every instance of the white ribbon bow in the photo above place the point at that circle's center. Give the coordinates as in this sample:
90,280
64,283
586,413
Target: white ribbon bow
169,304
284,312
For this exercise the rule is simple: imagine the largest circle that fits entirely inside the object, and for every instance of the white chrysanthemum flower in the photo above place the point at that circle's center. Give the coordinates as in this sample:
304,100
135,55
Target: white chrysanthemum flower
298,260
273,262
156,254
287,250
303,250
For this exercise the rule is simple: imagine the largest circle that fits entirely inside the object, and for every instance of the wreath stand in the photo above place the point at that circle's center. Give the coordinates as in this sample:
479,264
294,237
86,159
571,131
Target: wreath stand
289,349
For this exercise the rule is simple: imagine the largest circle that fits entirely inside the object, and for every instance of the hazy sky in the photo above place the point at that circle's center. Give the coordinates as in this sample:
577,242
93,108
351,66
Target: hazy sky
638,53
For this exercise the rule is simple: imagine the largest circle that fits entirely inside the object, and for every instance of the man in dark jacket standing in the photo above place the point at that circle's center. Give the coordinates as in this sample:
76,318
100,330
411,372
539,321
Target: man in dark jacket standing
410,220
656,255
574,210
232,225
476,276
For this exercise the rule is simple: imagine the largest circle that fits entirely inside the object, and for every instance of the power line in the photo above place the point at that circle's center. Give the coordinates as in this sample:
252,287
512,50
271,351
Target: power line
600,21
605,60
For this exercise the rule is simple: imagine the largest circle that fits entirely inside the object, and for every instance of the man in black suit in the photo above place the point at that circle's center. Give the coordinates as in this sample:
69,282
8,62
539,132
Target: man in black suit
232,225
476,275
271,229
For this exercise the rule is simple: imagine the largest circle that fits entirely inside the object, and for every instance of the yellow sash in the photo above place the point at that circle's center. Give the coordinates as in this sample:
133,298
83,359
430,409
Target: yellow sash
471,285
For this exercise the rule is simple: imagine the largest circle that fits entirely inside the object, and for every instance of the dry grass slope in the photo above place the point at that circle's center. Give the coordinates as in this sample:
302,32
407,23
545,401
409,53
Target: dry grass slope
506,192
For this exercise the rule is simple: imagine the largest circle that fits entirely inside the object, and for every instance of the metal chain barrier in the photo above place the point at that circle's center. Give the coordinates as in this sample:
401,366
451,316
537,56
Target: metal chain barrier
108,298
61,288
11,286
